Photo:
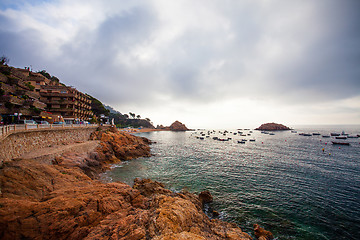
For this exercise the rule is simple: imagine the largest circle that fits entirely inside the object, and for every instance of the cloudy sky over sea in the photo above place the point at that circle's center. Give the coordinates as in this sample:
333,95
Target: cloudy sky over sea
207,63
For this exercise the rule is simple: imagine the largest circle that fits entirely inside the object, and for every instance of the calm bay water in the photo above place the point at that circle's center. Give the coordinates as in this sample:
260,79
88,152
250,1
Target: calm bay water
285,182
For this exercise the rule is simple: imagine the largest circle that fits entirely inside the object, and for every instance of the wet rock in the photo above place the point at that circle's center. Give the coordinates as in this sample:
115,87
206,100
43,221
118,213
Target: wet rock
205,197
261,233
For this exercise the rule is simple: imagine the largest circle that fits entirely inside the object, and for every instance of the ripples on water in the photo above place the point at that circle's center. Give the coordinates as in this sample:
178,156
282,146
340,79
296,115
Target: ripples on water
284,182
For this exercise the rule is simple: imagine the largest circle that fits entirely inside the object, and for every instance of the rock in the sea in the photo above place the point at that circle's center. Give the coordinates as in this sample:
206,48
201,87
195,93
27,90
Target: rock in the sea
262,234
205,197
178,126
272,127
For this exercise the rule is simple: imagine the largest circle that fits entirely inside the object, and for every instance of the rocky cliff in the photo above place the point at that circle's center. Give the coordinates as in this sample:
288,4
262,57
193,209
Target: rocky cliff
272,127
63,201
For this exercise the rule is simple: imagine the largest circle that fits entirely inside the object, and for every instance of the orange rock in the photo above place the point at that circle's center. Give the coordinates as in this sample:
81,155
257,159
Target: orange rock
41,201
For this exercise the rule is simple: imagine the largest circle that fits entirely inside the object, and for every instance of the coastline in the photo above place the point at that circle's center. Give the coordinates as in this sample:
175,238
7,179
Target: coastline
63,200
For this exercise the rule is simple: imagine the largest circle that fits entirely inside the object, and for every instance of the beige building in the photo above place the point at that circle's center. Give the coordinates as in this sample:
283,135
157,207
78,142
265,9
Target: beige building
67,102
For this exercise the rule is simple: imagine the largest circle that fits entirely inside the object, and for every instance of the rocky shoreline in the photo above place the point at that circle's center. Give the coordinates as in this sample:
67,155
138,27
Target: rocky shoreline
63,200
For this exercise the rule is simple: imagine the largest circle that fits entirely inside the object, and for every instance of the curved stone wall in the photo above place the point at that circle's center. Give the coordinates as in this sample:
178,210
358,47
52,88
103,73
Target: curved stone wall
18,143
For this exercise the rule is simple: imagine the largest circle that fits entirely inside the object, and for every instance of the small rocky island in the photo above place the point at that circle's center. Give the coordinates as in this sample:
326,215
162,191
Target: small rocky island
175,126
272,127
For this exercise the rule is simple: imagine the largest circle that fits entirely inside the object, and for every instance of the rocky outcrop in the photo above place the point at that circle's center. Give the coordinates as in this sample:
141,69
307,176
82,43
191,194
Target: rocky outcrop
178,126
62,201
175,126
205,197
272,127
262,234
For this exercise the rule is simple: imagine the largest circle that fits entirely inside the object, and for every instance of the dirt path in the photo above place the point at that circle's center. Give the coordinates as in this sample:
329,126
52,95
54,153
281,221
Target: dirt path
49,153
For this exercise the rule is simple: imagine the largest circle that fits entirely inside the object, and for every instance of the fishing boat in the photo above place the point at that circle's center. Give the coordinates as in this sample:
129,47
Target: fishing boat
325,136
252,140
316,134
342,137
241,142
335,134
307,134
340,143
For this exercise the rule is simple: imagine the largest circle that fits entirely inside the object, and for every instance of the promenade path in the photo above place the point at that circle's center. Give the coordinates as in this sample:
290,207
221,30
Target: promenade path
49,153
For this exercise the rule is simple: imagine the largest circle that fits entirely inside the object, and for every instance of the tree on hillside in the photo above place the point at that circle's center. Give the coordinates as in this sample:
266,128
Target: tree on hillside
148,119
45,74
48,76
138,116
97,107
132,115
126,116
4,60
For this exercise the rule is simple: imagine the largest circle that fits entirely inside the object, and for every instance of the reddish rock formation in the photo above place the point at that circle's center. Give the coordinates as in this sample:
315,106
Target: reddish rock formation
262,234
205,197
178,126
61,201
272,127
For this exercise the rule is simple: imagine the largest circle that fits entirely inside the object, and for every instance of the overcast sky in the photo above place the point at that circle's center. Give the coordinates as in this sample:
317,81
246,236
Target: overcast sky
206,63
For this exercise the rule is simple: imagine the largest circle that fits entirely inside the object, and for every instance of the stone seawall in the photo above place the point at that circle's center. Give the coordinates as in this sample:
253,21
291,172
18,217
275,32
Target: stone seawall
18,143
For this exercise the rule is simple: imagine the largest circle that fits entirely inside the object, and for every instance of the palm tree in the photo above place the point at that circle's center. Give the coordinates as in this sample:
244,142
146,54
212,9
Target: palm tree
132,115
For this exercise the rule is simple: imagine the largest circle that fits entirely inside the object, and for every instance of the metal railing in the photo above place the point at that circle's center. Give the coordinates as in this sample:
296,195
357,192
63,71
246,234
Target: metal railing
7,129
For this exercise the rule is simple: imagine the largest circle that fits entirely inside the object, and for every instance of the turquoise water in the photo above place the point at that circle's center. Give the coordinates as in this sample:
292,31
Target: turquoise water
285,182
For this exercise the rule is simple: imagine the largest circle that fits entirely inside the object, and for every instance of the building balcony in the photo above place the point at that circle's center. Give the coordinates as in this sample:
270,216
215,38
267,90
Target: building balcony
35,103
12,99
47,94
60,102
62,110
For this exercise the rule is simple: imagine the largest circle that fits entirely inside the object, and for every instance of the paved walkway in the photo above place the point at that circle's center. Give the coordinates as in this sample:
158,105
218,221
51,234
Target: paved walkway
49,153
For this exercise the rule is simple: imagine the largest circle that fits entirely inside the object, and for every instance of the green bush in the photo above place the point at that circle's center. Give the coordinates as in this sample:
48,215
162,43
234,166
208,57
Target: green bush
31,87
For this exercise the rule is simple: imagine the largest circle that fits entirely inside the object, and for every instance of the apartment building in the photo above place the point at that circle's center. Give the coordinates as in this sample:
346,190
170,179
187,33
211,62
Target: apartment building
67,102
17,97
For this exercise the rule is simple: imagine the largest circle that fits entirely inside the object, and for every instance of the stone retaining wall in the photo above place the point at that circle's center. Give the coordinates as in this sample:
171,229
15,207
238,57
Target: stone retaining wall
18,143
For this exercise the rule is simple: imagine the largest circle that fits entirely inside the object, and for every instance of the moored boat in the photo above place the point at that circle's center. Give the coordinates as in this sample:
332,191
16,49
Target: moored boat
340,143
342,137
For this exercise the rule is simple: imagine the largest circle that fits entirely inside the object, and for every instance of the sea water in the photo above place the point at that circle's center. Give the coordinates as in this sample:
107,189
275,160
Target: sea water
298,187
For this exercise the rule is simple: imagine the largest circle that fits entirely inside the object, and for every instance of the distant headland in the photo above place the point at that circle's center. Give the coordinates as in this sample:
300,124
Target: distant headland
273,127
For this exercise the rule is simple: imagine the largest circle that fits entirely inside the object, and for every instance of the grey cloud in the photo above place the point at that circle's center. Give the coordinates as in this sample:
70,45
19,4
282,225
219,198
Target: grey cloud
326,69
